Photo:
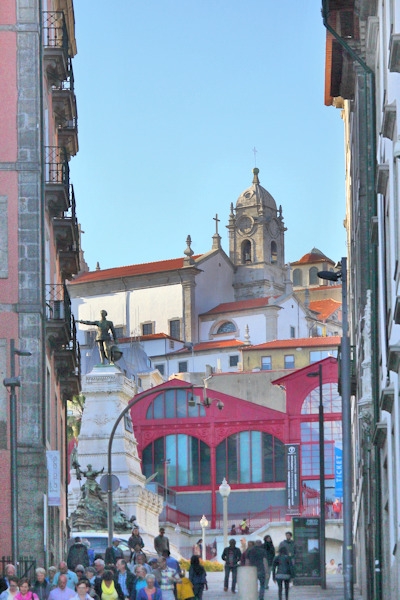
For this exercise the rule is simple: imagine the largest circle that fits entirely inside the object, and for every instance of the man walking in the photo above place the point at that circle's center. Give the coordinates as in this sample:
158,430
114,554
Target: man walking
231,555
257,557
62,592
288,543
161,542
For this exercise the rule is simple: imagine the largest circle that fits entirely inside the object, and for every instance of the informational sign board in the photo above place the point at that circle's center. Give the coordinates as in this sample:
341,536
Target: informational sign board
292,478
306,535
338,470
53,478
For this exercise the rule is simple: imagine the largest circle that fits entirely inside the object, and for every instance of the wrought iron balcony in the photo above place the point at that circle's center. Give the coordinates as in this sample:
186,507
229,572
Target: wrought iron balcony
66,233
57,193
67,133
55,42
67,360
58,315
64,99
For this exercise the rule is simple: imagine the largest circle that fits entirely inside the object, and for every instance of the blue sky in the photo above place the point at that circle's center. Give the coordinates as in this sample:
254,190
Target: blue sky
173,95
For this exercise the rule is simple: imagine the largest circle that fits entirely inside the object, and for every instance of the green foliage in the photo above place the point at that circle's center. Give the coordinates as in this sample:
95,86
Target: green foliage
211,566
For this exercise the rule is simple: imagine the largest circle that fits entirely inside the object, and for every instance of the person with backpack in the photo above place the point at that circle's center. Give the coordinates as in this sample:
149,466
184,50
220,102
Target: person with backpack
198,577
282,571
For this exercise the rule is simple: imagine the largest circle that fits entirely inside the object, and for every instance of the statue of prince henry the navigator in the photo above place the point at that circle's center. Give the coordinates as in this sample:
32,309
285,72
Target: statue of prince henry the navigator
107,347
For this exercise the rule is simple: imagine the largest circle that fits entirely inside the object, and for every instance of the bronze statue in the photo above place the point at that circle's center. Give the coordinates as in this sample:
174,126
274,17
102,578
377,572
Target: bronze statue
107,347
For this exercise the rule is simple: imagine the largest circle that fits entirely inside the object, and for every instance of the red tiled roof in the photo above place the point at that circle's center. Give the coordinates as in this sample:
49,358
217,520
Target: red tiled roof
325,308
146,338
202,346
130,271
312,257
240,305
333,340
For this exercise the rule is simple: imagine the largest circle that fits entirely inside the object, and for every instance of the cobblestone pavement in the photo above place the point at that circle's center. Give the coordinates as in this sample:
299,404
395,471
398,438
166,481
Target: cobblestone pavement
334,590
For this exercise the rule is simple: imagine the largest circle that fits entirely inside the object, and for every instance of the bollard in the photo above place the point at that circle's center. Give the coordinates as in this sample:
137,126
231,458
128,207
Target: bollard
247,583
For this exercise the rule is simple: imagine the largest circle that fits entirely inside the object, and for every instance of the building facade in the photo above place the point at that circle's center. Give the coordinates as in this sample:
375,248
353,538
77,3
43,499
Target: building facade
362,79
39,239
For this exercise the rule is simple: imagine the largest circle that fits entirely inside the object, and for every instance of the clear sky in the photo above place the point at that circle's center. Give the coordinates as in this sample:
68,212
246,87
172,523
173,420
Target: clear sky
173,95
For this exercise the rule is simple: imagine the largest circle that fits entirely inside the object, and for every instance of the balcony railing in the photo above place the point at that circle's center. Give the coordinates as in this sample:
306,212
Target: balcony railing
55,42
67,360
64,100
58,315
68,134
66,231
57,185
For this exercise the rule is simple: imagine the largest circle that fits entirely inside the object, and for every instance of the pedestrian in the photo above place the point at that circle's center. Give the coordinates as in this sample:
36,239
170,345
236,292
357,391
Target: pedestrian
161,542
233,530
169,578
282,571
257,557
51,572
62,591
197,576
289,544
82,590
108,589
231,555
125,578
113,553
245,552
77,555
337,508
12,590
24,590
150,592
135,539
244,528
270,550
72,579
184,589
41,587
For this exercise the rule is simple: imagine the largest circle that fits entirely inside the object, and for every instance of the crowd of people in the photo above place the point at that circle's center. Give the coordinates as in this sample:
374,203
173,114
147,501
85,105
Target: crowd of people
113,578
262,556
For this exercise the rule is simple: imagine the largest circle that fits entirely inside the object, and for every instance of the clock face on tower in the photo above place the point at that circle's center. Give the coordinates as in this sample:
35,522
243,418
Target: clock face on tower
245,225
274,228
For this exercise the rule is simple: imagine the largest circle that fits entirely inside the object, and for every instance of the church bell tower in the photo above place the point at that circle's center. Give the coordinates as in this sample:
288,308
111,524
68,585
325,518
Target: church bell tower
257,244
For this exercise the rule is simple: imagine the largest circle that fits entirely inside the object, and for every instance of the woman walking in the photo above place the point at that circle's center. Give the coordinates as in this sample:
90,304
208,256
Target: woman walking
282,572
269,548
198,577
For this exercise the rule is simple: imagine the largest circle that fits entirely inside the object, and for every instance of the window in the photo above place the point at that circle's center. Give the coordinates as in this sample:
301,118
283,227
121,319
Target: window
147,328
266,363
251,457
313,277
174,404
119,332
189,460
175,328
289,361
297,277
310,446
246,251
227,327
161,368
292,332
274,253
183,366
316,355
233,360
331,400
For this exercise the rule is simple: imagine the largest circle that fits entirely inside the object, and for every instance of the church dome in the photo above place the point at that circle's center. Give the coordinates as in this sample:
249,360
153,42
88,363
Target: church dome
256,195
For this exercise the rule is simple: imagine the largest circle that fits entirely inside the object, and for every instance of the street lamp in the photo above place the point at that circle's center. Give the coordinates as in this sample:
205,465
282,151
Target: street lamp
322,549
225,490
11,383
167,462
178,531
135,400
203,525
346,431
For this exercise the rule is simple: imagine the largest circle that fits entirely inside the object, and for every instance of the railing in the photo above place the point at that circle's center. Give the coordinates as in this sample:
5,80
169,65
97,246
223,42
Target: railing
57,168
68,85
55,33
58,304
172,515
26,566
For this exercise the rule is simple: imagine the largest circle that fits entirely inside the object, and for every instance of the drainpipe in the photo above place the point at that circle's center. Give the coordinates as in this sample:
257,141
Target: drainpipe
371,270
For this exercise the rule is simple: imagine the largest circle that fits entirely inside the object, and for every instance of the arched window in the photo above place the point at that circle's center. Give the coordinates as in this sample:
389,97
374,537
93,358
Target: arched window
312,276
179,460
174,404
251,457
331,400
297,277
246,251
274,252
227,327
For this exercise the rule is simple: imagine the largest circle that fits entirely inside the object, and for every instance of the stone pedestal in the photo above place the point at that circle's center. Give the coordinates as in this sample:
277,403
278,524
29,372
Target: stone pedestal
107,392
247,583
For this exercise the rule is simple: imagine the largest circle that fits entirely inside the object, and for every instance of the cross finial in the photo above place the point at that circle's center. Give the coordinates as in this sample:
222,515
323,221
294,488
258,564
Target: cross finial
216,223
255,155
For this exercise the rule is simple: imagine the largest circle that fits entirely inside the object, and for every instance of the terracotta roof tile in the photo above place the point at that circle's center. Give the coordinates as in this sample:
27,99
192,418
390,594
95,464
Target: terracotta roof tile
312,342
130,271
202,346
240,305
314,256
146,338
325,308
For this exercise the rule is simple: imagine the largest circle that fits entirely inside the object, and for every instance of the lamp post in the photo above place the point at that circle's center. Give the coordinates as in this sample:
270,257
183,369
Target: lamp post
178,531
346,432
203,525
322,548
135,400
167,462
11,383
225,490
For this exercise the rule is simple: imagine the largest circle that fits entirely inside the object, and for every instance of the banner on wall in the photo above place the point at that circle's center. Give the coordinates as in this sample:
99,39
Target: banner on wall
53,478
338,470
